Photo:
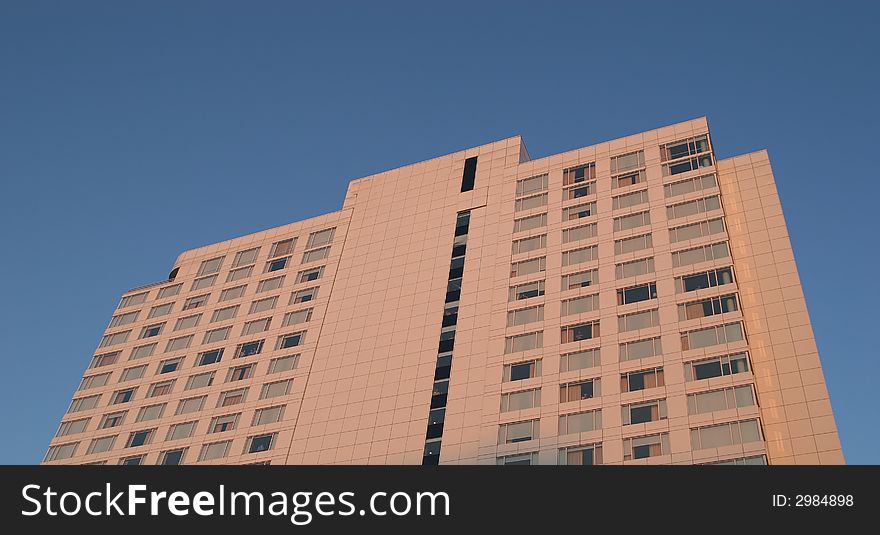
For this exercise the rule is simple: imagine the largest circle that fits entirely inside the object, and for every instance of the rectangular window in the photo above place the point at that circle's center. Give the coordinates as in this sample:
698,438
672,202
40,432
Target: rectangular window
195,302
224,314
628,179
710,336
524,342
146,350
276,265
94,381
172,457
638,320
528,267
587,455
180,431
60,452
716,367
690,185
216,335
637,294
525,315
220,424
520,371
72,427
643,412
303,296
518,432
232,293
631,245
152,330
684,148
627,162
162,388
529,223
169,291
100,445
315,255
752,460
578,211
321,238
697,206
645,447
239,273
282,248
104,359
582,232
215,450
187,322
113,419
139,438
704,279
526,291
721,400
707,307
628,200
210,266
160,310
632,221
634,268
520,459
580,331
309,275
260,443
262,305
683,166
200,380
232,397
528,186
579,390
581,422
268,415
696,230
122,396
170,365
248,349
190,405
578,305
700,254
297,317
640,349
84,403
132,300
530,203
526,245
517,401
114,339
268,285
203,282
469,174
246,257
579,256
641,379
151,412
209,357
579,360
283,364
176,344
275,389
290,340
579,174
123,319
130,374
579,191
728,434
240,373
581,279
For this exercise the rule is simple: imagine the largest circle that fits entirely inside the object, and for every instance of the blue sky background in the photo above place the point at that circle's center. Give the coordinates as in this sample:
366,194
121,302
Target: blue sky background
131,131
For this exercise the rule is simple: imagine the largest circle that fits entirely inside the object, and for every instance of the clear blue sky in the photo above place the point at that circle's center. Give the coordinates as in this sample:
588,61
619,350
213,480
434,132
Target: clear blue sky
131,131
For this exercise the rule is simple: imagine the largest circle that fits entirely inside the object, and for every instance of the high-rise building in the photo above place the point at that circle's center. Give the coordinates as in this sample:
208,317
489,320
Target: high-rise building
635,301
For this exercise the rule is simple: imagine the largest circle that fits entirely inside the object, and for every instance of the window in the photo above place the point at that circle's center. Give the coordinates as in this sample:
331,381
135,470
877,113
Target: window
526,245
290,340
690,185
628,200
224,314
579,360
719,334
160,389
297,317
684,148
232,293
641,379
151,412
579,390
220,424
528,267
525,399
628,179
527,186
275,389
215,450
195,302
270,284
707,307
716,367
60,452
100,445
172,457
189,405
640,413
216,335
135,372
759,460
579,256
84,403
123,319
529,223
638,320
645,447
636,294
631,245
276,265
176,344
581,279
169,291
282,248
462,223
309,275
700,254
696,230
240,273
587,455
209,357
240,373
260,443
114,339
152,330
729,434
525,315
246,257
704,279
523,342
132,300
530,203
720,400
524,459
122,396
579,191
315,255
262,305
581,422
187,322
303,296
180,431
518,432
469,174
139,438
268,415
578,211
627,222
94,381
111,420
283,364
582,232
160,310
697,206
640,349
580,332
521,370
581,173
210,266
578,305
170,365
322,237
526,291
200,380
72,427
627,162
104,359
684,166
204,282
232,397
634,268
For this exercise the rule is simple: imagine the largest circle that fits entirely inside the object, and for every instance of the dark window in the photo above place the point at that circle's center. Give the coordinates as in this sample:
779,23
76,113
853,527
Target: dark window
250,348
431,455
446,345
172,457
275,265
261,443
169,367
707,370
291,340
637,293
586,390
462,223
459,250
519,372
640,415
444,366
210,357
138,439
450,316
641,452
132,461
469,176
434,431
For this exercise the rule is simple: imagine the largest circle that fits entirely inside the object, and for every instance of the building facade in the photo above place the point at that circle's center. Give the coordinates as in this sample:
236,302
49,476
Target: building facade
635,301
